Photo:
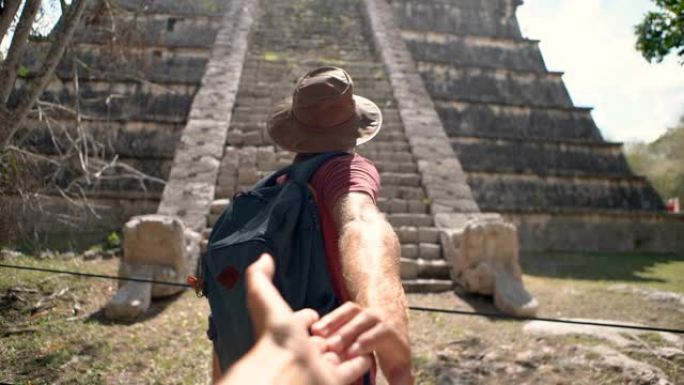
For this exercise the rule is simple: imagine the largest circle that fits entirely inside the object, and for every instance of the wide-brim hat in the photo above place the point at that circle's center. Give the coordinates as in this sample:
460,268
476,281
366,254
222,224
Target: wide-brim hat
323,114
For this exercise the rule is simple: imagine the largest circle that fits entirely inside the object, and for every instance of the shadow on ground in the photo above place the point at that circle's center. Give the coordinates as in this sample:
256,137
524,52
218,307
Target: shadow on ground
605,267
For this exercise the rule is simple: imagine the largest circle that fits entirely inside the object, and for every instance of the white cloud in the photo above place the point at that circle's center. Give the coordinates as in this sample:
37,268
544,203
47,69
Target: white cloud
593,42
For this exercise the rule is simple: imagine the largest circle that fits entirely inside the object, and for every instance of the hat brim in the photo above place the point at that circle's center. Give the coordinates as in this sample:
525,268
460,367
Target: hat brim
291,135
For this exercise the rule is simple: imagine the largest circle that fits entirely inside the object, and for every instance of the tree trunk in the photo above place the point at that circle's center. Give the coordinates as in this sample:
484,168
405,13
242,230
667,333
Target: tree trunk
60,38
8,13
8,73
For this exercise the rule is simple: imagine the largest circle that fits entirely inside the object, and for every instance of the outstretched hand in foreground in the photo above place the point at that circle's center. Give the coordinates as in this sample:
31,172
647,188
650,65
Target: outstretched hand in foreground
284,352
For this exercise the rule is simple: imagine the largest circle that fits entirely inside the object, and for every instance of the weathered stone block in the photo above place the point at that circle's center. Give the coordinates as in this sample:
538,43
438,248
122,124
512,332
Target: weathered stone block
409,268
483,253
157,247
428,235
409,251
407,234
429,251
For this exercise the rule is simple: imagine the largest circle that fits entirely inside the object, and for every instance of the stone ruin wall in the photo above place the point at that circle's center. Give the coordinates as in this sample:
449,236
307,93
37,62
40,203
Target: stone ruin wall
137,66
527,152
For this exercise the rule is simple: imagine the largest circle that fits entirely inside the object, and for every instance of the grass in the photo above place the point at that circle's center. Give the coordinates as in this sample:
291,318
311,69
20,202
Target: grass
661,272
67,340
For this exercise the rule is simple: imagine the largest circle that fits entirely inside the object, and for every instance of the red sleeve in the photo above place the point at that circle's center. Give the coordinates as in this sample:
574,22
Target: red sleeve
342,175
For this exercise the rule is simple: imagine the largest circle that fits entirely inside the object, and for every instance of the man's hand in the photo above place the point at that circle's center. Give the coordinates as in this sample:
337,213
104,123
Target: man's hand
284,352
351,331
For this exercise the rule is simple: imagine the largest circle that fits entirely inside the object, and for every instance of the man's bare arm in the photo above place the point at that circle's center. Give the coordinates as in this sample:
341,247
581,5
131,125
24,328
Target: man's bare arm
369,253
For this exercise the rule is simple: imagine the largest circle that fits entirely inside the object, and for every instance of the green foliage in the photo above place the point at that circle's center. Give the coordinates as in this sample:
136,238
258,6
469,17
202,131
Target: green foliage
662,161
662,31
23,72
113,241
271,56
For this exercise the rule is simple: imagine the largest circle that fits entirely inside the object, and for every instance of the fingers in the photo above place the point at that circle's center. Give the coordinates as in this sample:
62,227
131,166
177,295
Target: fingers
305,317
369,340
319,343
332,358
335,319
360,325
352,369
263,300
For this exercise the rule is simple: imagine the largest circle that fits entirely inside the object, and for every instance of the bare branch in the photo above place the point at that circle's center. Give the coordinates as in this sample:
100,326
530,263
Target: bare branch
8,13
62,37
8,72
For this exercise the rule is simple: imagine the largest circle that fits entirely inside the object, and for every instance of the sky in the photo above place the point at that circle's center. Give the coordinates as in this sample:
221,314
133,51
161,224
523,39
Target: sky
593,42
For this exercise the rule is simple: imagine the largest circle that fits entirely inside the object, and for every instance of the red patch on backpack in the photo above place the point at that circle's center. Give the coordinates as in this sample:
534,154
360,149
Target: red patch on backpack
229,277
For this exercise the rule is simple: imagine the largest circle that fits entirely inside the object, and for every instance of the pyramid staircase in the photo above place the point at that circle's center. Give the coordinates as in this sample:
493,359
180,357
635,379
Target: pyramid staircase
287,39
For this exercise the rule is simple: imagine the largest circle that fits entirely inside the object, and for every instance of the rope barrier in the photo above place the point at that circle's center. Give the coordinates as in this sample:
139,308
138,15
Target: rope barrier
89,275
414,308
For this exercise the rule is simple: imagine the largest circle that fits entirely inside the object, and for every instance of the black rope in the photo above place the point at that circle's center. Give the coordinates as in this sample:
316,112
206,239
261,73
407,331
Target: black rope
415,308
89,275
557,320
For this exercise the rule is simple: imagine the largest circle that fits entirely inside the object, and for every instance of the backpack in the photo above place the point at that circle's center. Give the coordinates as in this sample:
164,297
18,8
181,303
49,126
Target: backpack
279,219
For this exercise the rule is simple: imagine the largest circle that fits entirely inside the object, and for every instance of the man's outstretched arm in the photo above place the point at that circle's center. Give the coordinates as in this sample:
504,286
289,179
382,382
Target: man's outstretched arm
369,253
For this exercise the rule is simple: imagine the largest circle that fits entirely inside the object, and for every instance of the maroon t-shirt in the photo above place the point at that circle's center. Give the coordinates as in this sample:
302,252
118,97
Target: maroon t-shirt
337,177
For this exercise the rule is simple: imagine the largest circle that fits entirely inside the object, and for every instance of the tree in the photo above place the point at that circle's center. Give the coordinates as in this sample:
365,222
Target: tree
11,119
662,31
662,161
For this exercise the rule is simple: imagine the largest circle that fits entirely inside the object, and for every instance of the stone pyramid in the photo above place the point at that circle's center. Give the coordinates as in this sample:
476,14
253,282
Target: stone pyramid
473,120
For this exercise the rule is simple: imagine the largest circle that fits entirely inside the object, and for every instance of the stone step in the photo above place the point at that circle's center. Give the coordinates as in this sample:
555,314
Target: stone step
391,206
417,234
147,30
416,220
386,146
474,51
462,17
529,192
449,82
390,166
115,182
95,62
257,56
472,119
557,157
128,101
400,178
402,192
186,8
427,251
134,139
422,285
423,268
385,156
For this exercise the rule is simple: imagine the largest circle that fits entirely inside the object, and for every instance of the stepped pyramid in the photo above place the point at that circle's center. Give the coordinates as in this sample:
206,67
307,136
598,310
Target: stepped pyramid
473,120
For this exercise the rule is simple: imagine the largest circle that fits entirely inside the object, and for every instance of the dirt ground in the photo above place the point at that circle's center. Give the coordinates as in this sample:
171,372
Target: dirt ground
52,330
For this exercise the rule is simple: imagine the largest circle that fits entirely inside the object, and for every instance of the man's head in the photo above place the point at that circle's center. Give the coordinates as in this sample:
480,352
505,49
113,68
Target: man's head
324,114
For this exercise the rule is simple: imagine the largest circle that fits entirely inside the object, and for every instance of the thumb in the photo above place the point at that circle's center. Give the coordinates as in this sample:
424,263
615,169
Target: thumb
265,304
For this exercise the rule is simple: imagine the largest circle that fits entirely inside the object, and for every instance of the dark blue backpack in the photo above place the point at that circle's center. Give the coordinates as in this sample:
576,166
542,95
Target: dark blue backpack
280,219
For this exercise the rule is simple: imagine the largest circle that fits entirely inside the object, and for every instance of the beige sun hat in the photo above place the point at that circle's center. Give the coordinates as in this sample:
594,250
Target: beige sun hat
324,114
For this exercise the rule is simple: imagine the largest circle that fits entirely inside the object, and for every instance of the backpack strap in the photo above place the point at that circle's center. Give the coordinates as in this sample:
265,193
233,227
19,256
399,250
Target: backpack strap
304,170
300,171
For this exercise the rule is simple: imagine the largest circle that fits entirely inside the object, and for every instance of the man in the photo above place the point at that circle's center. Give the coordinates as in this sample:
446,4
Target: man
361,246
362,249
